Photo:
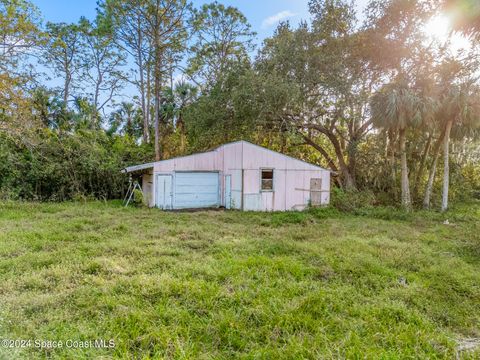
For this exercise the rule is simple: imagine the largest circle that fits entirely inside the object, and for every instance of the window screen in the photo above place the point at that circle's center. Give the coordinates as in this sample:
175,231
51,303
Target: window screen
267,179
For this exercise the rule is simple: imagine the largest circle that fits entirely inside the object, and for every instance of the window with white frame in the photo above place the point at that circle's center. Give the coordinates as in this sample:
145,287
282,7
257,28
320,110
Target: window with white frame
267,180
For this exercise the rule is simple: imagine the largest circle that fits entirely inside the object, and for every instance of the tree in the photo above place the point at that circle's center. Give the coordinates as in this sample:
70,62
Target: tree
459,108
126,120
244,104
396,107
101,64
165,31
332,79
185,94
48,107
465,15
84,112
131,35
221,35
62,53
19,32
151,31
20,36
396,27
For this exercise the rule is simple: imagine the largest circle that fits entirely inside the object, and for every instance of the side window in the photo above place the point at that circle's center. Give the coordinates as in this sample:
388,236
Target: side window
267,179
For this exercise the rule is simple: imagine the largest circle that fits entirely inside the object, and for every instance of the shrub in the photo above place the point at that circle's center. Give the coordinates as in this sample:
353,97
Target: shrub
349,201
64,166
138,198
324,212
291,217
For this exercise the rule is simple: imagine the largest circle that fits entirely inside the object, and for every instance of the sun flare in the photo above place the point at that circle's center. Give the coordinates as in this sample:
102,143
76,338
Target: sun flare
439,29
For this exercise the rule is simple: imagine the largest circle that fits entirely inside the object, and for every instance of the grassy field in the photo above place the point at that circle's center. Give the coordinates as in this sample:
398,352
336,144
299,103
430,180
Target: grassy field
214,284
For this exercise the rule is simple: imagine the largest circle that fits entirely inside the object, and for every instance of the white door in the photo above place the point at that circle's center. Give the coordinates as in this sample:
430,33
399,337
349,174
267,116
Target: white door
196,190
228,191
164,192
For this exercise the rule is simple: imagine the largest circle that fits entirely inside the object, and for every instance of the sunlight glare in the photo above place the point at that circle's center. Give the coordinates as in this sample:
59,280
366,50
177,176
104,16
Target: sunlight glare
438,29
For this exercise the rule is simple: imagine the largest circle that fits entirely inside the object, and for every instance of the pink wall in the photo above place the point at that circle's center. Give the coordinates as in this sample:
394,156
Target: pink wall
291,176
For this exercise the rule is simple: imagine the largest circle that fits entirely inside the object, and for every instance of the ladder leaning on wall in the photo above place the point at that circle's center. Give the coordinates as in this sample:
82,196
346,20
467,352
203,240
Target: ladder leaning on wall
131,190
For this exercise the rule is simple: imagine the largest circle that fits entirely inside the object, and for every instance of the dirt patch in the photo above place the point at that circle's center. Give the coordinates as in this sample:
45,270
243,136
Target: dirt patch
466,345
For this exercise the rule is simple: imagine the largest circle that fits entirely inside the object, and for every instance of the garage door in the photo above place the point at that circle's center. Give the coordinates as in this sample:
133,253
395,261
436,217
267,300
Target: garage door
196,190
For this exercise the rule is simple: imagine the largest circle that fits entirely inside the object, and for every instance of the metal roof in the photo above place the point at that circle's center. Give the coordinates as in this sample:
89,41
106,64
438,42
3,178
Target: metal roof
150,165
133,168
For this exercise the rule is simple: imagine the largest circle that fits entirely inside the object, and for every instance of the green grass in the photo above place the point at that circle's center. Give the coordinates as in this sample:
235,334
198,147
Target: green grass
213,284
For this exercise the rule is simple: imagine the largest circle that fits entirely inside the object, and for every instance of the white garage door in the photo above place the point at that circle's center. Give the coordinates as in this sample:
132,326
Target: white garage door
196,190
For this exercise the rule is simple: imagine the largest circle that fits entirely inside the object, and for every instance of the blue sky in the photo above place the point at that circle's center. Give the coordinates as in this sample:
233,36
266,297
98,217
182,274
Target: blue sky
262,14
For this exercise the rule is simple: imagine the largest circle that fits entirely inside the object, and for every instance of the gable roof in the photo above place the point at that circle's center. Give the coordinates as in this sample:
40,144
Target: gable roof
151,164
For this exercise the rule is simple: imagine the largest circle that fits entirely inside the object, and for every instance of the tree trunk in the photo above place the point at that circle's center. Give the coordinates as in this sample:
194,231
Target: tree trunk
66,91
181,131
352,162
146,132
148,73
326,156
433,170
431,177
157,73
158,154
393,172
347,170
421,168
406,200
348,178
94,116
322,151
446,166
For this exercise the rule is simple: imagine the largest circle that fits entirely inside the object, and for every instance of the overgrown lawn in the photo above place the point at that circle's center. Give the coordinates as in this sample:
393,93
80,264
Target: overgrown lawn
216,284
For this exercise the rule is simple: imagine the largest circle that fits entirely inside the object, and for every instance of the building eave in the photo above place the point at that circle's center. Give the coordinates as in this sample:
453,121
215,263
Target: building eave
134,168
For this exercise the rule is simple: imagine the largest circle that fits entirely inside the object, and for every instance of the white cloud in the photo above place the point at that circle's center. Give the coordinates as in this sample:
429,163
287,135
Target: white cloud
272,20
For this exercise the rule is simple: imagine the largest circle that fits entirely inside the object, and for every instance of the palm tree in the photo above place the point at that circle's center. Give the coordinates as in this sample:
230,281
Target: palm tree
466,17
397,107
185,94
459,108
126,120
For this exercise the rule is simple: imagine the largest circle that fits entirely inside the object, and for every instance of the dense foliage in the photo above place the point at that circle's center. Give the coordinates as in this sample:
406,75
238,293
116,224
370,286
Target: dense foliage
73,166
392,111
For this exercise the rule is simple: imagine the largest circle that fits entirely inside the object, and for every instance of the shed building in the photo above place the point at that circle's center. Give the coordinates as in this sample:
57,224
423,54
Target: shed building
238,175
